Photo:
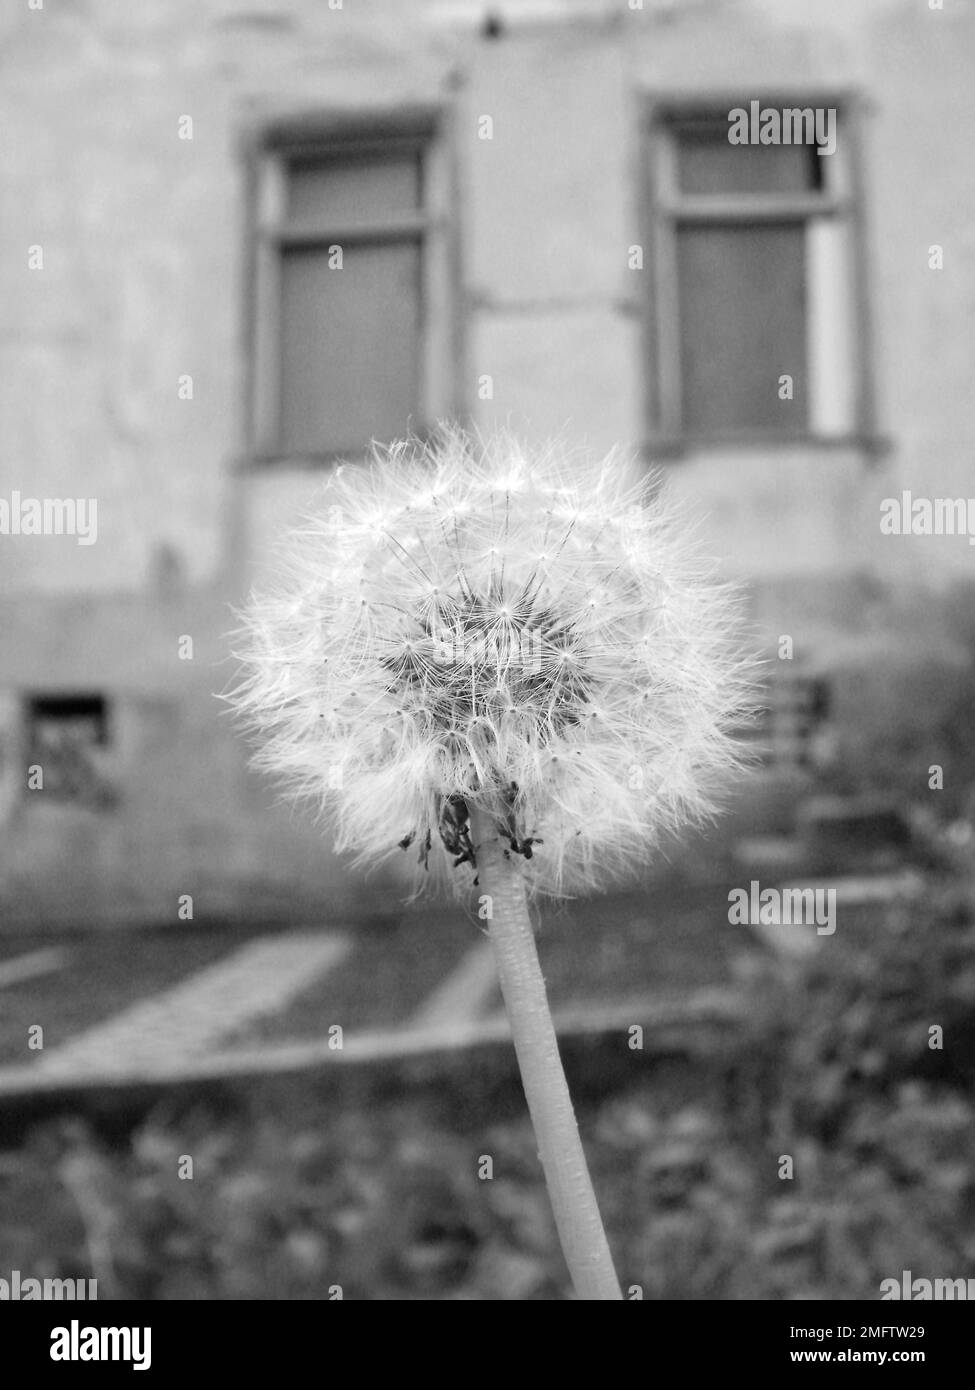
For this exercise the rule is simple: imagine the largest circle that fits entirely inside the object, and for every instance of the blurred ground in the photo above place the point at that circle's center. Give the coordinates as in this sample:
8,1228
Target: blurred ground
816,1147
367,1180
106,1000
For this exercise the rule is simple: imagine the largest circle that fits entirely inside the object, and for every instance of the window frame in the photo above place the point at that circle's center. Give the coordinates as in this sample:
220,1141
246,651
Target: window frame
665,207
346,137
43,715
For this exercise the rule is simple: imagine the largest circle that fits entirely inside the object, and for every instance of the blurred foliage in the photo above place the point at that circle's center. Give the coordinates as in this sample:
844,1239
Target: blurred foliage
384,1199
893,719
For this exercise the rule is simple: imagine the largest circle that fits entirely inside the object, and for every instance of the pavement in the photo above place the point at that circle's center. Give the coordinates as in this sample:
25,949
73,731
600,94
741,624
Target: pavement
179,1024
269,1003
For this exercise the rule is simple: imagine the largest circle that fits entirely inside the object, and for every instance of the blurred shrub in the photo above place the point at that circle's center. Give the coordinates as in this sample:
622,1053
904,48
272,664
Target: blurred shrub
384,1198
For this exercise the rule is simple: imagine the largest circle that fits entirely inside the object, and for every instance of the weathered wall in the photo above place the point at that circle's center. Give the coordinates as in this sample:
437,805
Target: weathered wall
143,281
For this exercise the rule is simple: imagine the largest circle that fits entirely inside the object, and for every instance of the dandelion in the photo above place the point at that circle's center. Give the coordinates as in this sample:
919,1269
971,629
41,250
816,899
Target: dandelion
513,668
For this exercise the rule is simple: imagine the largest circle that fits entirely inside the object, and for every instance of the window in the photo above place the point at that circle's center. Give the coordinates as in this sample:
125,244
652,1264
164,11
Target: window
757,327
352,321
66,739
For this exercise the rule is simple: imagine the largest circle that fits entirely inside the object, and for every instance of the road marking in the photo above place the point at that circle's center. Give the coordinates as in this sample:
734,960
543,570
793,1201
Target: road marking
180,1024
464,995
34,963
698,1024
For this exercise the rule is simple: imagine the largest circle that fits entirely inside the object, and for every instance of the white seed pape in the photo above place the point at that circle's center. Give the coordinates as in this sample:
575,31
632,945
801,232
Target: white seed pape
463,623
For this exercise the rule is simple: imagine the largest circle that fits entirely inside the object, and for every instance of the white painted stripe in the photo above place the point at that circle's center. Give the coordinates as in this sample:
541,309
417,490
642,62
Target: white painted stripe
464,995
875,888
799,941
180,1024
712,1012
28,966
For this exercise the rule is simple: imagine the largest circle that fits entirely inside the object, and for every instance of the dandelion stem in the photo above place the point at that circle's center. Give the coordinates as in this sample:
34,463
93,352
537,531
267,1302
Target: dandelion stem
560,1149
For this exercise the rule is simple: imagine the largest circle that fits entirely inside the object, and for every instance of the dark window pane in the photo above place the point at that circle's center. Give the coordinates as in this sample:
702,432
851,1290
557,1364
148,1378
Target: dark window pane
349,346
741,301
68,736
324,193
79,716
708,163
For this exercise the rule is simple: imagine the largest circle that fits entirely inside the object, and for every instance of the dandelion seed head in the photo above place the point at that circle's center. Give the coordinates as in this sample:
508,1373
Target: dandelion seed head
465,624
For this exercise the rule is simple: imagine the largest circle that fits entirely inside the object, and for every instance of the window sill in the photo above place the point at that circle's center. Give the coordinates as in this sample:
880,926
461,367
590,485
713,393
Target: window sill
259,462
309,463
874,447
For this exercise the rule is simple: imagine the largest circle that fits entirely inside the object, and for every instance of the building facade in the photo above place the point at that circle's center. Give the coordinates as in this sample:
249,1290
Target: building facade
240,238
